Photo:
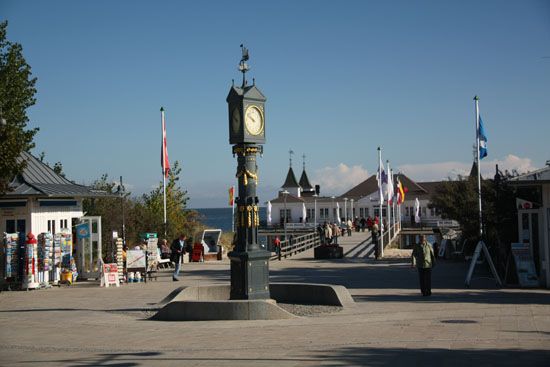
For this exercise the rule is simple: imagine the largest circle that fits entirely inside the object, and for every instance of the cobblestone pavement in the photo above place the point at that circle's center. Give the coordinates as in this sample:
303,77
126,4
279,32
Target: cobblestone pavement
391,324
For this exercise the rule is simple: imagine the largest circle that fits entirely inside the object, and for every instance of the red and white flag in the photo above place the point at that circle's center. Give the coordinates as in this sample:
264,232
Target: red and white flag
164,150
231,195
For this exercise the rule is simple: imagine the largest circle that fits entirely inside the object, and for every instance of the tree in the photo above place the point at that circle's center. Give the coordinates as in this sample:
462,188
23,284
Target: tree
458,200
179,219
17,90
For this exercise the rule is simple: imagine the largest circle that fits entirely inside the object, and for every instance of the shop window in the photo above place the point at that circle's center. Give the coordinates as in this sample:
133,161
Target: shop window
51,226
10,226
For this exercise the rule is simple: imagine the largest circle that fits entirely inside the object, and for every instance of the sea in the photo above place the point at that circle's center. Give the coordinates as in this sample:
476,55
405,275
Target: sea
220,218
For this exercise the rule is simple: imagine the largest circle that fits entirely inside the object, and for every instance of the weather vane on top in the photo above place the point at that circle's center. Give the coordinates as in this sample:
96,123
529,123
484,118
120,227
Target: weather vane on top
243,66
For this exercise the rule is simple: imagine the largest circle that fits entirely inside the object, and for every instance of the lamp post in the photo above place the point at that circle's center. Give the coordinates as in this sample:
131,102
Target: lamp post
346,210
121,191
352,213
333,209
285,194
315,209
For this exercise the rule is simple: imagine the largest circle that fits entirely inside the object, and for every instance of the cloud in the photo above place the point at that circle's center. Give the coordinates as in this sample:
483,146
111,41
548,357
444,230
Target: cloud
443,170
337,180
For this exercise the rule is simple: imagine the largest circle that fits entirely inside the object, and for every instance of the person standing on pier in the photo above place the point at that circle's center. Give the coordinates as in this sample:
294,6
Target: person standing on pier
424,259
178,250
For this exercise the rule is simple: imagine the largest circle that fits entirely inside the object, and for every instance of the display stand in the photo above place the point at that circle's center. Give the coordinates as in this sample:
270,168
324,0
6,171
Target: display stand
68,265
45,242
119,260
152,258
9,261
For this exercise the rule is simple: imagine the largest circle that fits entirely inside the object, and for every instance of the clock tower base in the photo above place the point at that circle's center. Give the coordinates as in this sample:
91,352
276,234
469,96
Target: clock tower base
249,274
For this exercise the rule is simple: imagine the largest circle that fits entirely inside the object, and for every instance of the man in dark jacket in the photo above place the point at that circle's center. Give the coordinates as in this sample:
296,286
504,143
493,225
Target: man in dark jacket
178,249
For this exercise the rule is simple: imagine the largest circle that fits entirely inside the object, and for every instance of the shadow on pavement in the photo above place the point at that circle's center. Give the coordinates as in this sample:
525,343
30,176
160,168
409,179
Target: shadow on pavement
466,296
349,356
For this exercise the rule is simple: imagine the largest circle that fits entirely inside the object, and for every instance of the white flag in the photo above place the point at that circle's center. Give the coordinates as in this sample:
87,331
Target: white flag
269,213
416,210
390,187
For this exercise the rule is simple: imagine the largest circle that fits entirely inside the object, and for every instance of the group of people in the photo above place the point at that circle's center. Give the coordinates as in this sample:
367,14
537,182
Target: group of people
174,252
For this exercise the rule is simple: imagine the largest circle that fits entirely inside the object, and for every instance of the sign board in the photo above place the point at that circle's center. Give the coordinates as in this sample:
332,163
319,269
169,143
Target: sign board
110,275
83,230
525,266
152,250
135,259
147,235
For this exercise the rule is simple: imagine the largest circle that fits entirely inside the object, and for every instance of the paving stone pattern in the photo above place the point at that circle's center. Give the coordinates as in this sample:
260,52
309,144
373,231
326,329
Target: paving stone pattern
390,325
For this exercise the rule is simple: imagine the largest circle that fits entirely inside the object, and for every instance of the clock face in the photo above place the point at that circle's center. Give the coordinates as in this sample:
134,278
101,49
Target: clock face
254,120
236,120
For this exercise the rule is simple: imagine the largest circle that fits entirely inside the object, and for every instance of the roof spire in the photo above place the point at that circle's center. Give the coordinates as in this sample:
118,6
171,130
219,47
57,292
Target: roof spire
290,153
304,161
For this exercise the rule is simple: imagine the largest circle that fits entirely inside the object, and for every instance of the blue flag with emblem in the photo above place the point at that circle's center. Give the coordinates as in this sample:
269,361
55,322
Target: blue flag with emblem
83,230
482,140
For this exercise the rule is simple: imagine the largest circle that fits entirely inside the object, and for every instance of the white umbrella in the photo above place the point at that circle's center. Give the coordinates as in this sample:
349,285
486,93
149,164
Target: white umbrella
304,212
338,213
269,213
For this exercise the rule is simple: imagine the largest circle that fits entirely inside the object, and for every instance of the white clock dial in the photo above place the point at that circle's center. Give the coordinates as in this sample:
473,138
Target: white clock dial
254,120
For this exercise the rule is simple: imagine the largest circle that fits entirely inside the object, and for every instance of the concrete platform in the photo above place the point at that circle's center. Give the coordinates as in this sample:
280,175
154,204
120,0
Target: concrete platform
212,302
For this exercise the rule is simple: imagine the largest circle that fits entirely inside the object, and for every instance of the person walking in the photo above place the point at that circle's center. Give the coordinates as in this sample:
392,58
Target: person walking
178,249
376,243
424,259
277,245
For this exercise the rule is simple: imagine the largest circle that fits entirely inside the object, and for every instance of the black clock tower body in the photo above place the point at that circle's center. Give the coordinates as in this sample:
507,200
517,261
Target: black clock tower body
249,262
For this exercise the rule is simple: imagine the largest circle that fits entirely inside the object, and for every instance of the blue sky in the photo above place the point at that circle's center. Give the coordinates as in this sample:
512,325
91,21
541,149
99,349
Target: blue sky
341,78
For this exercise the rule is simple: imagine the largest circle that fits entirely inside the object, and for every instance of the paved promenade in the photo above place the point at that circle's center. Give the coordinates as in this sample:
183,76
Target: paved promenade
391,324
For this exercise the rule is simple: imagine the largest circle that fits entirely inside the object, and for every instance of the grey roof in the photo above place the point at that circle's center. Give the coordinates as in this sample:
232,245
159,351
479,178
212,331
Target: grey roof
535,177
304,182
290,179
38,179
413,189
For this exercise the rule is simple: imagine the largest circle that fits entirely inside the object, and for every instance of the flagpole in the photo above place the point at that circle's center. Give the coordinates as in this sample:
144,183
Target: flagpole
163,165
481,244
388,214
476,99
381,237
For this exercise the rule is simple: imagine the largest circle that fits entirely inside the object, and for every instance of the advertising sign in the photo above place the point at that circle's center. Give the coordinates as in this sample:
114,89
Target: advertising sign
135,259
525,266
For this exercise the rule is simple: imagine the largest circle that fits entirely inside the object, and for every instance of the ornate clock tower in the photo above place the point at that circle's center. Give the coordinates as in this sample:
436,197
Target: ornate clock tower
249,262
